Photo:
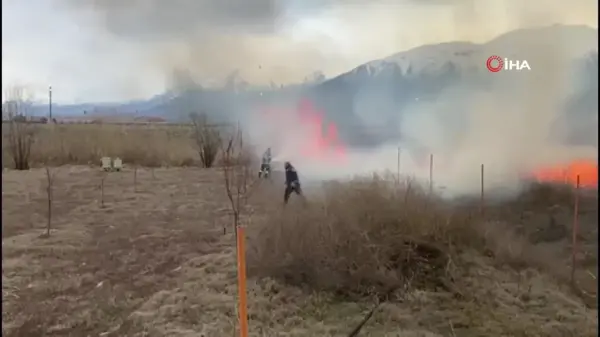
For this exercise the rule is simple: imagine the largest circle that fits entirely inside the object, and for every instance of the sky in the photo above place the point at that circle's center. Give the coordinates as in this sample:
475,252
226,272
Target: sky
114,50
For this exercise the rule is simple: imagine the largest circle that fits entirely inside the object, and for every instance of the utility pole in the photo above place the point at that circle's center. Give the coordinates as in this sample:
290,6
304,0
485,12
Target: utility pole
50,104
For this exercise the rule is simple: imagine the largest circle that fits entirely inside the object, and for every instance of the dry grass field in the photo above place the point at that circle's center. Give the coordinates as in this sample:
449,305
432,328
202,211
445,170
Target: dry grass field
158,258
147,145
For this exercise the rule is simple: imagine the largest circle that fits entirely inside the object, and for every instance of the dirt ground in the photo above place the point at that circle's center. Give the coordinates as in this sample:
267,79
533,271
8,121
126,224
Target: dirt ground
154,261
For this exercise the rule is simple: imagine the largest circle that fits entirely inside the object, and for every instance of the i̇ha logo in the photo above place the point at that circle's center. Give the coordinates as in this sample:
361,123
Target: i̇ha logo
496,63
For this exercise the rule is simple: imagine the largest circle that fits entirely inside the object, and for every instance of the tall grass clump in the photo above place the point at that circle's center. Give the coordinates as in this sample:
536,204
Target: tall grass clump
368,235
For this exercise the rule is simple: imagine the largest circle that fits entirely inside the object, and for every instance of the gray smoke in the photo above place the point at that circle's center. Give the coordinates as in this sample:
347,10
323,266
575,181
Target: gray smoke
285,40
507,126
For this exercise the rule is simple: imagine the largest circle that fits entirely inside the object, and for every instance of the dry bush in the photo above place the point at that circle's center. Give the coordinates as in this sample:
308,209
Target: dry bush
541,195
535,229
241,155
19,135
244,157
544,211
207,139
369,235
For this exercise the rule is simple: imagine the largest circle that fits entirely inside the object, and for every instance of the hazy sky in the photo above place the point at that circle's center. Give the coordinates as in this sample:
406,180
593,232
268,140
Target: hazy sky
93,50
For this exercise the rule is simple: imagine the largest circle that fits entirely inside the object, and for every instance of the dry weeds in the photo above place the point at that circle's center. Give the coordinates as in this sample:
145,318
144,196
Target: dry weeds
156,263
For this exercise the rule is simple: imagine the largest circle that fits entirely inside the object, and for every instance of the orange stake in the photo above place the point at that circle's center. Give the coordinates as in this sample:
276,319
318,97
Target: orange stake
242,296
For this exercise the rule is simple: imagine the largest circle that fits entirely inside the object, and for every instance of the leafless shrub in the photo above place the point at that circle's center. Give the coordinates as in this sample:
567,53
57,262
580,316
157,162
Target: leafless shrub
236,174
207,139
20,134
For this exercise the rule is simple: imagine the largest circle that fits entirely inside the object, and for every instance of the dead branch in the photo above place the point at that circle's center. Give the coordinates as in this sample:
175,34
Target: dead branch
380,300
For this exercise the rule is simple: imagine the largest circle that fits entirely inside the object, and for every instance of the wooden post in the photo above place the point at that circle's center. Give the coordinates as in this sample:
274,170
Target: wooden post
398,167
482,201
575,231
49,192
102,190
242,296
431,173
135,178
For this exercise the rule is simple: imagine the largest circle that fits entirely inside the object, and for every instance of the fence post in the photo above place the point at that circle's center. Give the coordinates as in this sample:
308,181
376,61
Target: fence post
398,167
575,231
431,173
482,201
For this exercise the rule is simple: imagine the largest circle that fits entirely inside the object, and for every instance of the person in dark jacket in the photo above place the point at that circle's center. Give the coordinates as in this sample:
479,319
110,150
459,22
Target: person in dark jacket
292,182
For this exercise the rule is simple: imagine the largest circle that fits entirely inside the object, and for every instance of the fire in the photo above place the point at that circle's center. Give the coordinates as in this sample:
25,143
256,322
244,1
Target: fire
319,140
587,170
322,141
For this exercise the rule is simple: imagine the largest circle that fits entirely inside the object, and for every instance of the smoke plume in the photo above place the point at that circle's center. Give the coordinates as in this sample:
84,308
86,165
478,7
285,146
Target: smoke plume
508,127
285,40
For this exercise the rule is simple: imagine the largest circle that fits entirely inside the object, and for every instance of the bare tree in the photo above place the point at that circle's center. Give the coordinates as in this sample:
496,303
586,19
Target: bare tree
20,134
207,139
236,174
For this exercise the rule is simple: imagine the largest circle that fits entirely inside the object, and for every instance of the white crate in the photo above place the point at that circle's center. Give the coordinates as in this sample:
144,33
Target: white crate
106,163
117,164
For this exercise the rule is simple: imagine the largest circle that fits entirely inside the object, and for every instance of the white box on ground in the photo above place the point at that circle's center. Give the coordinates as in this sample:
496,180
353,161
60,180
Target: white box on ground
117,164
106,163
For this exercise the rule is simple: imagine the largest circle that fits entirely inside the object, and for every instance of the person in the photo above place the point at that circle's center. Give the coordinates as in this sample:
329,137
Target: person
265,166
292,182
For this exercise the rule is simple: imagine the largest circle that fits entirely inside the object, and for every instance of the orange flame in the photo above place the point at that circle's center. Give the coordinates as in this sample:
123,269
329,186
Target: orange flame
587,170
320,141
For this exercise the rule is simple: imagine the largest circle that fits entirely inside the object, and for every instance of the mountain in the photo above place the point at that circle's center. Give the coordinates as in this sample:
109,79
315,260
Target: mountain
378,94
370,103
130,107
